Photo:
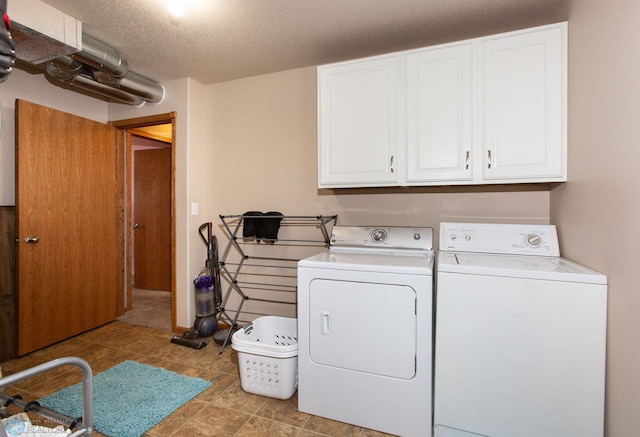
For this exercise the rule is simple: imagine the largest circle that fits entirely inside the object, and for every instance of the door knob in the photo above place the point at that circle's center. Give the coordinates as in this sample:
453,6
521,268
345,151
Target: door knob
31,239
136,226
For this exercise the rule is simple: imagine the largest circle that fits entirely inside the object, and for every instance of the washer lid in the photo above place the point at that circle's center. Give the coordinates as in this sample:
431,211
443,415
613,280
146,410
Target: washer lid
518,266
407,262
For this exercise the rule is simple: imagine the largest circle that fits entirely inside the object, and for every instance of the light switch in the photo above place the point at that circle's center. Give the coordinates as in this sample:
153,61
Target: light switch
194,208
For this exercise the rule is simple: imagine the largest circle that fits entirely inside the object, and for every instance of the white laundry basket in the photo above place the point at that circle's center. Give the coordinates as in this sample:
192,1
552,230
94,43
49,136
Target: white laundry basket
268,356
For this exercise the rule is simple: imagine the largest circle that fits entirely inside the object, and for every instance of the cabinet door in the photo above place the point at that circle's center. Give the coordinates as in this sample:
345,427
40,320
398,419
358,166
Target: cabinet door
439,114
357,122
523,118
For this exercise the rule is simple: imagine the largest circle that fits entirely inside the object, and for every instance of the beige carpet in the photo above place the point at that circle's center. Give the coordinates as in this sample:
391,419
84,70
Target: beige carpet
150,308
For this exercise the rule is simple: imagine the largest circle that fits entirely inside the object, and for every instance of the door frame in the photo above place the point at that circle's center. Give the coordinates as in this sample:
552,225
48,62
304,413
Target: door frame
125,161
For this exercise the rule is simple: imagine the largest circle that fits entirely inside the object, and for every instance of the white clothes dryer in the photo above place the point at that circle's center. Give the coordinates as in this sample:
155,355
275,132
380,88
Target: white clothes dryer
365,329
520,335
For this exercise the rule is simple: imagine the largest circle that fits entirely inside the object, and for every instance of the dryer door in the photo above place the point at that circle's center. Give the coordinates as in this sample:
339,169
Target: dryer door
365,327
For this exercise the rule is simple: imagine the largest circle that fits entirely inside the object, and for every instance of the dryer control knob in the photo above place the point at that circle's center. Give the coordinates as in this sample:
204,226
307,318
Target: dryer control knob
379,235
534,240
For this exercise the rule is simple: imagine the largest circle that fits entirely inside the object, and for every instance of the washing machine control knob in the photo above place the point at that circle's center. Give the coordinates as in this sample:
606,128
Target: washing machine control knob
534,240
379,235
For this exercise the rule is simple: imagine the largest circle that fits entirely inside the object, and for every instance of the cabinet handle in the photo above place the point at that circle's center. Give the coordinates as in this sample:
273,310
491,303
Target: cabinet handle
489,158
31,239
466,161
391,164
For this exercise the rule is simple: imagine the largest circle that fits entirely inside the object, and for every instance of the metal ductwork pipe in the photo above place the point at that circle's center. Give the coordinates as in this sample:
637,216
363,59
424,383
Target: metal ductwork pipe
64,68
149,90
68,71
100,69
102,57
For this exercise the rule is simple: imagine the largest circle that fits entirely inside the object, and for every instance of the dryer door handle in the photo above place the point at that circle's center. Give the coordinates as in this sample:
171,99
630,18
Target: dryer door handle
325,317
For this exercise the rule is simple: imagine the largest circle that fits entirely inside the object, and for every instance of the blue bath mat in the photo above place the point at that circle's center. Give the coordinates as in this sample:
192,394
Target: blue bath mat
129,399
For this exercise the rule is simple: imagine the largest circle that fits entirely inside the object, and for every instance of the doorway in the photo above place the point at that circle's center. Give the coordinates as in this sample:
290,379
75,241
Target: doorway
151,213
148,145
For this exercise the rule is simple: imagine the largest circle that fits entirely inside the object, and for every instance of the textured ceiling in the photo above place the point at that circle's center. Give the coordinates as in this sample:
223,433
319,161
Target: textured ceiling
221,40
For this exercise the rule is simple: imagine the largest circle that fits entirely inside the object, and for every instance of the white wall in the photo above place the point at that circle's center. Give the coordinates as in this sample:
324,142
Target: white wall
598,210
36,89
199,174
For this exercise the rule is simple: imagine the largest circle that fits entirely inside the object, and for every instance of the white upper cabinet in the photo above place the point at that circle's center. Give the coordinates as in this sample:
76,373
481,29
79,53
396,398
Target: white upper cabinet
523,99
358,122
439,114
483,111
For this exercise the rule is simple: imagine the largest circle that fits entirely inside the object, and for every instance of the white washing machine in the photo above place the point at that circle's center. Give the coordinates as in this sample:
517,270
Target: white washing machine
520,335
365,329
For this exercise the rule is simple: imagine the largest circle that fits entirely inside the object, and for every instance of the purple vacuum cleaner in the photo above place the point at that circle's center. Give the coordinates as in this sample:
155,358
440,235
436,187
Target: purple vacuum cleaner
208,295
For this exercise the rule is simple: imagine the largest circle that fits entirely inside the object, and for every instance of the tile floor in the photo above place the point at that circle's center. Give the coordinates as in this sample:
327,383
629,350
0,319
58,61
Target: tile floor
224,409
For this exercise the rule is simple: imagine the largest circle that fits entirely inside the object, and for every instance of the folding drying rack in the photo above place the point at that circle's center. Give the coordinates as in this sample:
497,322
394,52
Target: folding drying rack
271,277
82,425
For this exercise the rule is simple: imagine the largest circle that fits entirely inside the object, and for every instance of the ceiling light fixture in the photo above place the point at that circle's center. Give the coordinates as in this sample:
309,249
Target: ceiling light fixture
176,8
181,9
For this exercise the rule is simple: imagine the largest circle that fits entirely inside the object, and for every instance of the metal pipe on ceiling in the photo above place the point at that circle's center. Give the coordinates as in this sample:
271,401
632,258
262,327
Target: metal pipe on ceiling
135,84
68,71
102,57
102,70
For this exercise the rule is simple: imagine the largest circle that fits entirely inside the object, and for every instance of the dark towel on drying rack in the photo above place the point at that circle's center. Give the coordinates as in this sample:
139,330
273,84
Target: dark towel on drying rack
262,226
271,226
252,227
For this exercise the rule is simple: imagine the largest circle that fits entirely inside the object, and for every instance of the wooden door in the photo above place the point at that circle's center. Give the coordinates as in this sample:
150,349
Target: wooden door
67,256
7,283
152,219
